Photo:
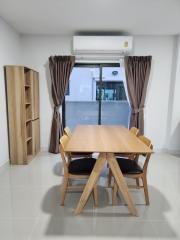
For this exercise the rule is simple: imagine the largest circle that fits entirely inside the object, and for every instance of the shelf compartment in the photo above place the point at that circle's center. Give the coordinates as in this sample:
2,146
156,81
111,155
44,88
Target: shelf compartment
29,147
36,136
28,130
28,75
28,112
28,95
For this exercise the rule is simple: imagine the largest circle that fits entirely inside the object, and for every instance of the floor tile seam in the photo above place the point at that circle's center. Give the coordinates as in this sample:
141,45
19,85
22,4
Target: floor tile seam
20,186
17,218
34,227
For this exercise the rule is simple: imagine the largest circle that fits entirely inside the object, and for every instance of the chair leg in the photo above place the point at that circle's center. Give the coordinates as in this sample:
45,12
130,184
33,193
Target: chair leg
114,194
95,196
109,178
144,179
63,190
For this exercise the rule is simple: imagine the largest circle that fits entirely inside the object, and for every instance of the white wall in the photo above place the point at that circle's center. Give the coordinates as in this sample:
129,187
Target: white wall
9,54
173,136
156,108
37,49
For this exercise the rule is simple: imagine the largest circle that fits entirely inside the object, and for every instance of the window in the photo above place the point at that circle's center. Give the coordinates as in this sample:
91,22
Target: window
96,95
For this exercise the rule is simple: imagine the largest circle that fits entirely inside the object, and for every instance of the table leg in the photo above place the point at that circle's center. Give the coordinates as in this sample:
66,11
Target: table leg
91,182
116,171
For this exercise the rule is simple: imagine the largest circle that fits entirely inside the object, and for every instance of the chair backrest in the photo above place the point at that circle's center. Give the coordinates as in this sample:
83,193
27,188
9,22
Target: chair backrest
145,140
67,131
134,131
65,157
147,156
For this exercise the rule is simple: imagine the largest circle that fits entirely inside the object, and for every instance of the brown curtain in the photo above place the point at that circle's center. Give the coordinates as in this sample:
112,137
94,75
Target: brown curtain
60,70
137,71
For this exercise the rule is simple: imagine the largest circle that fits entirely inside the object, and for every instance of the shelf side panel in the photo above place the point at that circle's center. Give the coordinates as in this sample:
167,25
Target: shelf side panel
16,113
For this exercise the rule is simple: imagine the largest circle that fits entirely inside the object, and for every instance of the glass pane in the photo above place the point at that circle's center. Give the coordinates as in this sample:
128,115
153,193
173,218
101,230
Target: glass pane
111,90
115,107
81,105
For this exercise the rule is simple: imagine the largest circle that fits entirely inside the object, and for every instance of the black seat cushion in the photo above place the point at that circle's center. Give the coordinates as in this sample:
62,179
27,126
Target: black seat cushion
82,166
81,153
129,166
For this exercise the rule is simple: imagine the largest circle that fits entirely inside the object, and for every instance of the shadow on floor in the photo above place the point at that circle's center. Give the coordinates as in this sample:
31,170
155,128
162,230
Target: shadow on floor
58,169
107,220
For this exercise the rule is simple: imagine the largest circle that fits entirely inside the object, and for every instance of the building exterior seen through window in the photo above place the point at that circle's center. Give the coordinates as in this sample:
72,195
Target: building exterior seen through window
96,95
110,91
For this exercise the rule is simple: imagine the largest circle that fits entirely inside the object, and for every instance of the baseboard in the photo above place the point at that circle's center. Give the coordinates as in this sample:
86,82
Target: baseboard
4,163
166,150
174,151
160,150
44,149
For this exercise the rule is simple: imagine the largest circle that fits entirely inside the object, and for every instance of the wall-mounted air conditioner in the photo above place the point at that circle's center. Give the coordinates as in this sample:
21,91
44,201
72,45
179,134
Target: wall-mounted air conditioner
115,45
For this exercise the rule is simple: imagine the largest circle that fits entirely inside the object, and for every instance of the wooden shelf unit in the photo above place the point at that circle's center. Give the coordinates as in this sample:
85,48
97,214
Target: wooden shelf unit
22,90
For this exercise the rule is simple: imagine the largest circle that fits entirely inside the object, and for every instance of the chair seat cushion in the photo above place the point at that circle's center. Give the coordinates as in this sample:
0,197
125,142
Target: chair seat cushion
82,166
81,153
129,166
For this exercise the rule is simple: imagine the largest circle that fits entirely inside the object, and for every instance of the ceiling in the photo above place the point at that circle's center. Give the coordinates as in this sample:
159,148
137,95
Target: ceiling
68,17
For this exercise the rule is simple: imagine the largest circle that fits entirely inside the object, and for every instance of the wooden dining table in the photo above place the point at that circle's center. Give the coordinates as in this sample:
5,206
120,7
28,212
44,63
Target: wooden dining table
105,140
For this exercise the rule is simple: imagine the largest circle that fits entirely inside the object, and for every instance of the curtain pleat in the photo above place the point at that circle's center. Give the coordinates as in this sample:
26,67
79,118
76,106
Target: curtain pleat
137,71
60,70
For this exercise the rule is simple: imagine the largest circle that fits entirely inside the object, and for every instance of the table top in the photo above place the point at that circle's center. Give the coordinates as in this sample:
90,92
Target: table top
106,139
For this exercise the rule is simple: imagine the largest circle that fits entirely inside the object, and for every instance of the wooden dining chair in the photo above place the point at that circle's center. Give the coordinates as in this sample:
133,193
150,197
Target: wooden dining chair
132,169
135,132
77,169
68,133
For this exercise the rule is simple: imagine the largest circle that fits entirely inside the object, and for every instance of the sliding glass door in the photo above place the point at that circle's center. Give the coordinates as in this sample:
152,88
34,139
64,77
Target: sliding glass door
114,105
96,95
80,105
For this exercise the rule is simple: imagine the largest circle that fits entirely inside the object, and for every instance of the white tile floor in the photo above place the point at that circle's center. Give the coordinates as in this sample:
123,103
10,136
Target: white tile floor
29,204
